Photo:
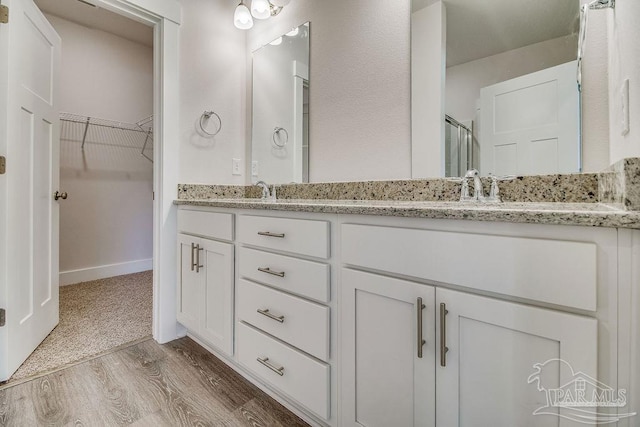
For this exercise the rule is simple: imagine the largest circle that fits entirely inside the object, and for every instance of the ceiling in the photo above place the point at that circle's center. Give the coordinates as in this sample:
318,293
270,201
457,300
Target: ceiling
98,19
477,29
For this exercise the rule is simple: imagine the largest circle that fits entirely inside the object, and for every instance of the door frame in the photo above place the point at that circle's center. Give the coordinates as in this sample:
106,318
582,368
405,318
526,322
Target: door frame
165,17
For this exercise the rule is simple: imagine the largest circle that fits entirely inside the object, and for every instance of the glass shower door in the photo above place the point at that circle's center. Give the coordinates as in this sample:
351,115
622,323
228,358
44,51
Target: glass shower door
458,148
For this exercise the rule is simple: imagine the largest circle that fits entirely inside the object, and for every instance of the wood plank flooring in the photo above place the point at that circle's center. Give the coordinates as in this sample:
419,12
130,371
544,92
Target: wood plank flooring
147,384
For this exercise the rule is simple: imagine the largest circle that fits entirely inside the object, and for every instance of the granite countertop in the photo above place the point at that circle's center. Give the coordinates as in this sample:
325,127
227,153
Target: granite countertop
585,214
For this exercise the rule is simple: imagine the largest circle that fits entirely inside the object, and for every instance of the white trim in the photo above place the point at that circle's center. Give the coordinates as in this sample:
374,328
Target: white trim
165,17
143,10
103,271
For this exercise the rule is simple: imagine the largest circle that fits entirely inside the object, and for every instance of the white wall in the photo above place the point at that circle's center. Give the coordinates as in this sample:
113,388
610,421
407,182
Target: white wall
359,85
360,122
428,53
212,77
624,63
107,218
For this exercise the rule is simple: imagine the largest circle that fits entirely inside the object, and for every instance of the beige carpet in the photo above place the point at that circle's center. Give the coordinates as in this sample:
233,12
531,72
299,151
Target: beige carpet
94,317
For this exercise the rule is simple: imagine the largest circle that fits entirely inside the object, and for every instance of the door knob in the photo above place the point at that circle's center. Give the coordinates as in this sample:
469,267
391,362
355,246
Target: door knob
59,195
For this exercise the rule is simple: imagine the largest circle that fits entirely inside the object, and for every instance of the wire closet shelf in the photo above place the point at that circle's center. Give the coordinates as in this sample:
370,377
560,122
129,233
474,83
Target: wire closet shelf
94,130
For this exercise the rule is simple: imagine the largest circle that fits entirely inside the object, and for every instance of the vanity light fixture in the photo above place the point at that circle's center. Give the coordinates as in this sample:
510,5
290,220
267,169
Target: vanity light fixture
276,42
242,17
260,9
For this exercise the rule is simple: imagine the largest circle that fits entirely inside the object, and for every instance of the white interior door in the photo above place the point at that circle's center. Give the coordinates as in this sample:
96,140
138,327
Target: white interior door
531,124
30,52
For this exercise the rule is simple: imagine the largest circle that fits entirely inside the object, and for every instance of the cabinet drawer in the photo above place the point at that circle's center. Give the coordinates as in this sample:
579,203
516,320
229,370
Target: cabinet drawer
207,224
298,276
553,271
299,322
299,236
299,376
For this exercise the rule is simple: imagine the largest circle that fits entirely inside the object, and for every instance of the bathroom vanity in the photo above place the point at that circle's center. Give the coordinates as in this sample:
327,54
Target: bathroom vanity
391,313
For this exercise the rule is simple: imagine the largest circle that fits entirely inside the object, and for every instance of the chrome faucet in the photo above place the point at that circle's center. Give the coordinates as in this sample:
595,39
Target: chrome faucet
266,194
478,192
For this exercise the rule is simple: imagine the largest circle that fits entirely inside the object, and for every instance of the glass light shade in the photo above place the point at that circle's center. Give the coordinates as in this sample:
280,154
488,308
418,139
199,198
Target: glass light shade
276,42
242,17
293,32
280,3
260,9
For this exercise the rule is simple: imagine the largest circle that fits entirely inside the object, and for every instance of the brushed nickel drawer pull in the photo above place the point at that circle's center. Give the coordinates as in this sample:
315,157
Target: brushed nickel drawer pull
269,271
269,234
198,265
266,312
265,362
193,264
421,341
443,334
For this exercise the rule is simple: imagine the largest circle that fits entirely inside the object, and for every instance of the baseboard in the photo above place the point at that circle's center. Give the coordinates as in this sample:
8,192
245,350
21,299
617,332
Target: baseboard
103,271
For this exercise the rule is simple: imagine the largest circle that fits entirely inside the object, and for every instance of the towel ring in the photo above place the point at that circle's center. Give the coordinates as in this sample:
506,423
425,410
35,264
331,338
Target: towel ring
207,115
277,130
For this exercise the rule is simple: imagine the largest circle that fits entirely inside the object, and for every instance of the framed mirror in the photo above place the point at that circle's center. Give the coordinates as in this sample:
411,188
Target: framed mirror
280,107
494,87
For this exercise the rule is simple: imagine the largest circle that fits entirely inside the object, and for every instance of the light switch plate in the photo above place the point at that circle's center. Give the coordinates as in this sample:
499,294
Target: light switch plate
235,167
254,168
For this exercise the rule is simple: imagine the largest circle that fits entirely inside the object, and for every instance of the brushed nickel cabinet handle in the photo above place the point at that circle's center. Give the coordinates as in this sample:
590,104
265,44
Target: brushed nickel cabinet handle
198,265
269,271
265,312
277,370
269,234
193,264
421,342
443,334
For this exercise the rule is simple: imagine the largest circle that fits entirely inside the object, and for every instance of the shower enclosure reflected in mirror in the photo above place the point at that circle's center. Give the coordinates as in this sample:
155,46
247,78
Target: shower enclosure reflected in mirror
494,87
280,121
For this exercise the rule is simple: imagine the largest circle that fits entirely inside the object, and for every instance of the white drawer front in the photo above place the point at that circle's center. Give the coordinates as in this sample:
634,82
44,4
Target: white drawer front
299,322
303,379
307,278
552,271
298,236
207,224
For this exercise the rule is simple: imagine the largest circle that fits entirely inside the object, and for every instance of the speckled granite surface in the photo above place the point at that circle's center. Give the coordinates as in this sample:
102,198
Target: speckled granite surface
585,214
620,184
204,191
608,199
570,188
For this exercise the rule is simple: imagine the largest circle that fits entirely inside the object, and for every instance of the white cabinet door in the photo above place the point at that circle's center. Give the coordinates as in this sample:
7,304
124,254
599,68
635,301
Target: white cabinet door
384,381
504,357
217,321
205,290
190,284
